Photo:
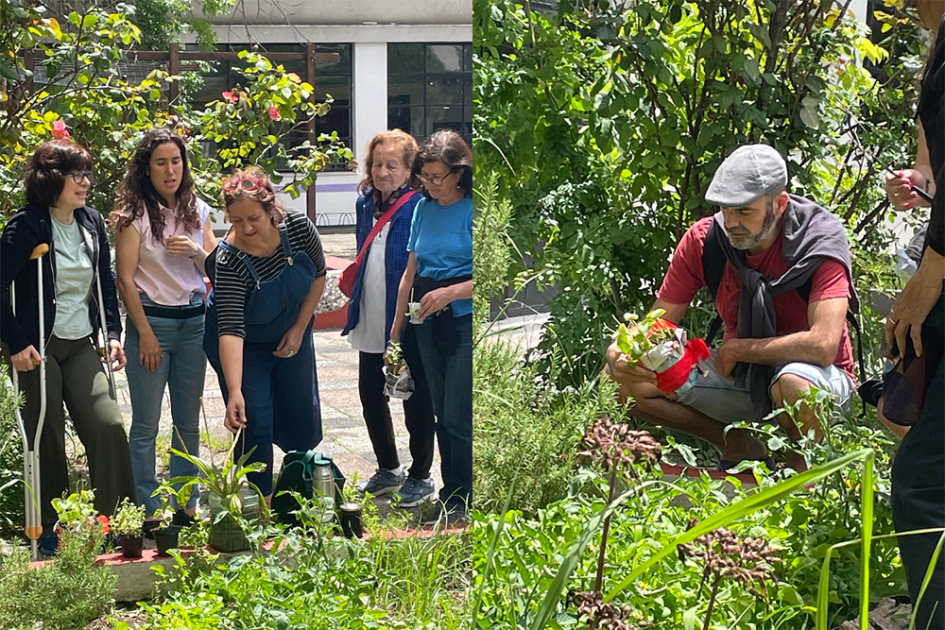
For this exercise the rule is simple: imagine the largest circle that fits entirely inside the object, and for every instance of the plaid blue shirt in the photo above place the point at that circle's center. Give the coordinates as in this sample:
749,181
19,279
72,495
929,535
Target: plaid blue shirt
396,255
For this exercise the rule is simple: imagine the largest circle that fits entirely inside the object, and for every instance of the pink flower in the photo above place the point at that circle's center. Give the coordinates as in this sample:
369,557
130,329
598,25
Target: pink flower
294,77
59,130
273,112
231,97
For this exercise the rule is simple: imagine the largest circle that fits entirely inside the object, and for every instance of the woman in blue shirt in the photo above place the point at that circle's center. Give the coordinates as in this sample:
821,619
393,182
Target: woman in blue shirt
437,286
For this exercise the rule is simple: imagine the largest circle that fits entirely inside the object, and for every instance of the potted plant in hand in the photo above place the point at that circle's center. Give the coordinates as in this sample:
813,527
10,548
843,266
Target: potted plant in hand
399,383
232,498
127,523
659,345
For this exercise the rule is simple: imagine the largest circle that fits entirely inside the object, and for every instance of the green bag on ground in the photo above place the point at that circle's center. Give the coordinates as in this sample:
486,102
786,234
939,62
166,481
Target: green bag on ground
298,469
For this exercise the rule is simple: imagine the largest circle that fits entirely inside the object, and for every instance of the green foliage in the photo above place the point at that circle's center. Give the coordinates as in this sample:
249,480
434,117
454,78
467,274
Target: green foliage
68,592
523,584
321,582
491,247
11,461
84,89
605,121
527,431
128,520
162,22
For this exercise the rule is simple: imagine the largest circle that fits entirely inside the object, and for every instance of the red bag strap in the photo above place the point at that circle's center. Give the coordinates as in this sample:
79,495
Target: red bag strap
385,218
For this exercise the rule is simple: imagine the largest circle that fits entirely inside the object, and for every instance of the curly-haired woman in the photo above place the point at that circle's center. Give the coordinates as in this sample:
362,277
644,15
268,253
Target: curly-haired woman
163,236
268,274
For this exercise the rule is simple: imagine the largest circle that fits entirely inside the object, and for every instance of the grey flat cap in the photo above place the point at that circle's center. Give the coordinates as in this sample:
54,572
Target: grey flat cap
747,174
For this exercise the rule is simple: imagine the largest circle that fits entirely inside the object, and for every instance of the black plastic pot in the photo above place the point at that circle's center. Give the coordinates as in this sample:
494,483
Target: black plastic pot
351,520
166,539
132,546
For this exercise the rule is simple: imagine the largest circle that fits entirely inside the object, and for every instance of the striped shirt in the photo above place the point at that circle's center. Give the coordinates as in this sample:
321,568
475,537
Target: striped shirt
232,282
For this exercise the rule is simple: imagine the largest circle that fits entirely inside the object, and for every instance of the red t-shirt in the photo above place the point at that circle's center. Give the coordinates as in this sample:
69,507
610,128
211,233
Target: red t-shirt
685,277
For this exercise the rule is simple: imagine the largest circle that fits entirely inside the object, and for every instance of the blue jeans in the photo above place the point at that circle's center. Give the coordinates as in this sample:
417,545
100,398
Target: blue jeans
450,381
183,369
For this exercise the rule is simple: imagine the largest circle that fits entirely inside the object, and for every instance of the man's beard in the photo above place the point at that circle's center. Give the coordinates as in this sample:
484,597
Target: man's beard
746,240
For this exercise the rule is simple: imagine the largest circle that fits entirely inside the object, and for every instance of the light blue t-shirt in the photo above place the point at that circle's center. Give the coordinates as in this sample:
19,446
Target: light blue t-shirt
73,282
441,238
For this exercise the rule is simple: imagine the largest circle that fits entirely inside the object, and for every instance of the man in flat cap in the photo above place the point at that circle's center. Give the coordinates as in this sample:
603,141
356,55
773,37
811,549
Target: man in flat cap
778,266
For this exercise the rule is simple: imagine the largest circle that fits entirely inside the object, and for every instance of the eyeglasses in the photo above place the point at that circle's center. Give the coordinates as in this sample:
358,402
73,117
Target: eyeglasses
436,180
78,176
249,184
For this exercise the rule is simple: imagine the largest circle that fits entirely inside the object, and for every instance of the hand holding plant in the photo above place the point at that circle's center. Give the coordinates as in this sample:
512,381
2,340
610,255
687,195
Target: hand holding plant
639,339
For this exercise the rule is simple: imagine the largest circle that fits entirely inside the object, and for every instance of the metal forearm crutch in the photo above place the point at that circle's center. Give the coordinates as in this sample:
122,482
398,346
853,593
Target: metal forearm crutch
34,524
105,349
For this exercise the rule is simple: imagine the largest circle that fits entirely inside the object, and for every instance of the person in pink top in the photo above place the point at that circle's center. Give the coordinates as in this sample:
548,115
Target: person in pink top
163,237
779,268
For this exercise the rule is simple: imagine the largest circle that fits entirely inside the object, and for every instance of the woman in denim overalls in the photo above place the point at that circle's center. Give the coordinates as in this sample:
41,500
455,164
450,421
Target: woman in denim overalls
268,275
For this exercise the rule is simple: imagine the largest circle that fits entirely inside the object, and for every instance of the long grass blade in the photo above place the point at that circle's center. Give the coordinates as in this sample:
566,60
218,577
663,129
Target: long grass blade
740,509
928,578
866,510
490,555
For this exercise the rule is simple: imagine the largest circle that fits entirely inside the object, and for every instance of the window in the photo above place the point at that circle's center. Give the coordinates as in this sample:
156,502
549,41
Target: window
429,87
332,77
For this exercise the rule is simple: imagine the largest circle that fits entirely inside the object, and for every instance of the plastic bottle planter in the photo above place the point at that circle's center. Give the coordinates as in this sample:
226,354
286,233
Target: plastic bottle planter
227,535
132,546
166,539
667,354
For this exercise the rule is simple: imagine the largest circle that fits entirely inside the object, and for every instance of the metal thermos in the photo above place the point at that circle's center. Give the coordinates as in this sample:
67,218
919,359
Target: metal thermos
323,483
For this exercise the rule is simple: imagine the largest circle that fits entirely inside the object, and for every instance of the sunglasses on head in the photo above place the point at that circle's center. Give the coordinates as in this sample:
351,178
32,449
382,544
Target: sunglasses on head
249,184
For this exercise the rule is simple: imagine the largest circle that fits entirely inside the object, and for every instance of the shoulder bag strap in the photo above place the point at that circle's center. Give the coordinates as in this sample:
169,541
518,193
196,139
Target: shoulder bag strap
385,218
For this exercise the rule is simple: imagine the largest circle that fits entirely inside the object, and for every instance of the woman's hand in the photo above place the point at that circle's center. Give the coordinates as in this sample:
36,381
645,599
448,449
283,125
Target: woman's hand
149,351
291,342
116,354
26,360
914,304
434,301
899,188
182,245
235,412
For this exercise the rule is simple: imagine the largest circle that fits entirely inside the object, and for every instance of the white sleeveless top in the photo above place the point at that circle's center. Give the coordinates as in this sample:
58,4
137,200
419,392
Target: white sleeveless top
169,279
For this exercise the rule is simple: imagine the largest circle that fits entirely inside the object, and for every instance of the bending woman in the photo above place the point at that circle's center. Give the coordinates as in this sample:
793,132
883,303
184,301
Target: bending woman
268,274
373,302
57,181
163,236
439,278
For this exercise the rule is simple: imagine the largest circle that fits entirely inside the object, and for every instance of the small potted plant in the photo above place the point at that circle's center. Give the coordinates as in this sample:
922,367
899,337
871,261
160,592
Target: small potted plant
399,383
232,498
166,535
127,523
659,345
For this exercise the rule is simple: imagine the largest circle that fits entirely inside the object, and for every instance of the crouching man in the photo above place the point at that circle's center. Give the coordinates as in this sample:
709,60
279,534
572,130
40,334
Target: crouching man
778,266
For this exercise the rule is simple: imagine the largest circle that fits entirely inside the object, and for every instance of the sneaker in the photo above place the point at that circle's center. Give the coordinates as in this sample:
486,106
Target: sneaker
382,482
444,515
49,544
414,492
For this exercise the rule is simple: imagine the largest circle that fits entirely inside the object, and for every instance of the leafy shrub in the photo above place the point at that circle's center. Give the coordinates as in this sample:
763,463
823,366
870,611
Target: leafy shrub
11,461
68,592
526,430
321,582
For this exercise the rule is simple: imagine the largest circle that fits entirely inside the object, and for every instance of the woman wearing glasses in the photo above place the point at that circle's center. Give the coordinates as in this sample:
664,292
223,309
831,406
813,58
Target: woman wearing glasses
437,285
268,274
163,234
76,272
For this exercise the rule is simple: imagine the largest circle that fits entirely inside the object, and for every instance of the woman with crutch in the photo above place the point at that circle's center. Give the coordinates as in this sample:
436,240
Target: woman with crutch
78,299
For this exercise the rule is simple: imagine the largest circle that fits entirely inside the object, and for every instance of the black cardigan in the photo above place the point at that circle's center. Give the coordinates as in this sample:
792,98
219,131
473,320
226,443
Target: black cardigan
29,227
